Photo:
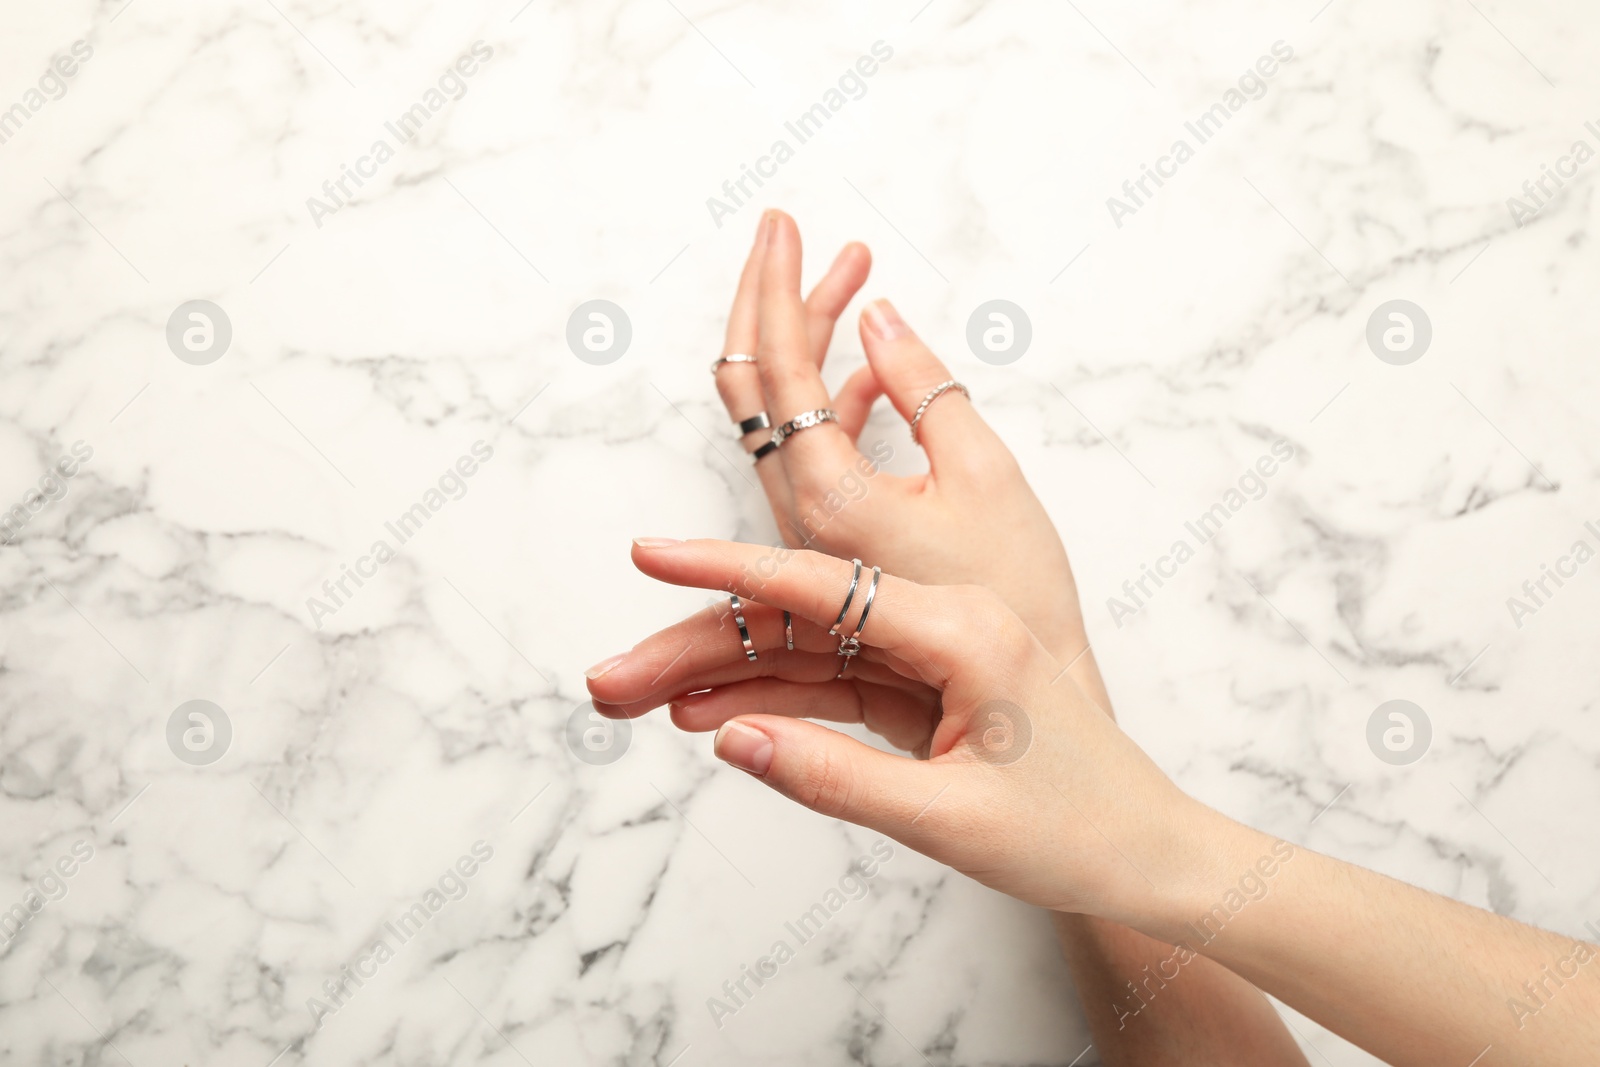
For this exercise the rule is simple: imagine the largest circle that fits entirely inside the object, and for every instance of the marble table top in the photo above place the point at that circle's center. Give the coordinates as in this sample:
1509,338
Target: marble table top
318,491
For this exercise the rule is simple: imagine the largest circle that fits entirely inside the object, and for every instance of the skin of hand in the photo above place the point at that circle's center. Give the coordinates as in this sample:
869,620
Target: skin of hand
971,519
1029,788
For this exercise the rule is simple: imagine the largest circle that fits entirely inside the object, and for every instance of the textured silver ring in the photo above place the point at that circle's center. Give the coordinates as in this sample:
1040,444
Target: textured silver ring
732,357
803,421
934,394
855,580
758,421
788,631
850,647
744,631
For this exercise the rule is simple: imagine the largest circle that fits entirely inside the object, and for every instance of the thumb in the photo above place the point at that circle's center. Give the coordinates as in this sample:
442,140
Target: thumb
835,775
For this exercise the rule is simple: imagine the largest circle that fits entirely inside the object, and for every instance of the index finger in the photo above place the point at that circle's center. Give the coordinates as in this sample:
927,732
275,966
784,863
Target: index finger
911,620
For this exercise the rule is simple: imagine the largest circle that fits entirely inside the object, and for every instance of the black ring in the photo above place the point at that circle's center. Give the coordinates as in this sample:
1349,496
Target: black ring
758,421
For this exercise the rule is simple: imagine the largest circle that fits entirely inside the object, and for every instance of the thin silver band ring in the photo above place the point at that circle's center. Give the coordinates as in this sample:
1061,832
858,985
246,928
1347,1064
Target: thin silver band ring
788,631
934,394
855,580
732,357
744,631
758,421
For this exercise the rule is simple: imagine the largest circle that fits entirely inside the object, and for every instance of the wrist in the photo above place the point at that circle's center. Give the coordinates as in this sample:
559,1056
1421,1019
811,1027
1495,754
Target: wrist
1217,868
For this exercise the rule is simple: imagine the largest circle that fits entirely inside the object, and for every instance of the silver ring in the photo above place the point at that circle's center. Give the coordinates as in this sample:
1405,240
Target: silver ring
744,631
766,448
788,631
732,357
934,394
855,579
758,421
803,421
850,647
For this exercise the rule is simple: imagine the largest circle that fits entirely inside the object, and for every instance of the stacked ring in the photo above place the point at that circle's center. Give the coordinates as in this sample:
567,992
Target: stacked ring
758,421
744,631
850,647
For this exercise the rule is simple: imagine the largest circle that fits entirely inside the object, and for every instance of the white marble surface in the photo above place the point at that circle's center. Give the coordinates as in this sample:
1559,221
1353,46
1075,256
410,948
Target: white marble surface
429,313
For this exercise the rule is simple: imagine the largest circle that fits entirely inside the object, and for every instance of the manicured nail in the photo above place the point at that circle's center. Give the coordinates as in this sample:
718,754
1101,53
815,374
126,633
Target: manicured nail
656,542
604,666
744,747
885,321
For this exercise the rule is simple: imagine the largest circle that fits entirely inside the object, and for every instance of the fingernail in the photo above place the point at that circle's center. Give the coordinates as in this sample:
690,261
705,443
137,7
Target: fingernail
744,747
604,666
885,321
656,542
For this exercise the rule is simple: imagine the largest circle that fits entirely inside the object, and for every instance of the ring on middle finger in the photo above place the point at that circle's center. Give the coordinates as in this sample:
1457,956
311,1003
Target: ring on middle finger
803,421
744,631
850,647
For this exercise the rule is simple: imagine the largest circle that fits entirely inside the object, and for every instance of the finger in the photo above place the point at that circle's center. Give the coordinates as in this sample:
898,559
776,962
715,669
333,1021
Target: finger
854,401
833,294
932,625
707,649
789,376
799,669
903,718
739,384
836,775
951,431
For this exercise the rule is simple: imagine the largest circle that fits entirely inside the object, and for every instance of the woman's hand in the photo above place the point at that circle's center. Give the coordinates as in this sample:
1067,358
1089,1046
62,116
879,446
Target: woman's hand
1026,786
971,519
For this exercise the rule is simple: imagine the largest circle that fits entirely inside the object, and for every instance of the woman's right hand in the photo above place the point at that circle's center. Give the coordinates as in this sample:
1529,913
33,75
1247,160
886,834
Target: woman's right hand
1025,784
972,518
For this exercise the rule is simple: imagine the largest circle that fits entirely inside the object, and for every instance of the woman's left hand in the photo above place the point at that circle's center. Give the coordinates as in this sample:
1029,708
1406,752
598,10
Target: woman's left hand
1025,785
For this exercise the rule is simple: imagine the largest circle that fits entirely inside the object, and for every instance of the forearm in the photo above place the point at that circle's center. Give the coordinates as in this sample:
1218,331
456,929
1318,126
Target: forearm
1142,1007
1409,976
